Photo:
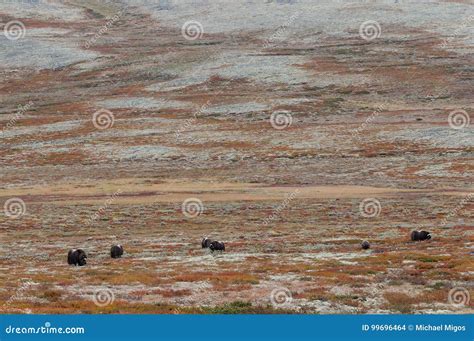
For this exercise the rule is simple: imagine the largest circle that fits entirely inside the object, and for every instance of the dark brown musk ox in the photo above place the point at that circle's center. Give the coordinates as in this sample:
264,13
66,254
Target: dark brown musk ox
76,257
217,246
365,245
420,235
116,251
206,242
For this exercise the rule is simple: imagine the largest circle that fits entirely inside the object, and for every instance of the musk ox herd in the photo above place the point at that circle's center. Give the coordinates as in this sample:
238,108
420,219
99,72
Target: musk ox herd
78,257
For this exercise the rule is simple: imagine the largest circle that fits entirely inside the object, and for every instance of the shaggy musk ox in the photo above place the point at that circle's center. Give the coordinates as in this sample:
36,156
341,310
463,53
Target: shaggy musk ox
206,242
365,245
116,251
217,246
76,257
420,235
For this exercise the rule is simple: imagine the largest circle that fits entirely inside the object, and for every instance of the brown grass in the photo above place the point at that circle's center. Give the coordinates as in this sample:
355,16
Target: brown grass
400,302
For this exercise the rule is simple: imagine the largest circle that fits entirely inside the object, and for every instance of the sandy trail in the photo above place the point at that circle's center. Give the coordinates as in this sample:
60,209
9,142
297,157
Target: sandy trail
143,191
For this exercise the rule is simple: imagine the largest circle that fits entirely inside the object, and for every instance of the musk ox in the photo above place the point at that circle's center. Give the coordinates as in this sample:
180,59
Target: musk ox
420,235
365,245
217,246
76,257
206,242
116,251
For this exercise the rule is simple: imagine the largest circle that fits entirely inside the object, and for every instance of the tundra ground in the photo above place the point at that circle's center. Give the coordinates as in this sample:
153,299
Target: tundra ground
292,135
